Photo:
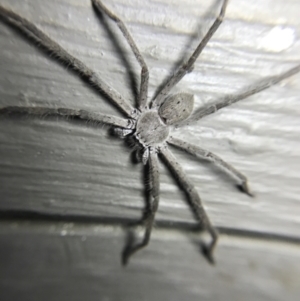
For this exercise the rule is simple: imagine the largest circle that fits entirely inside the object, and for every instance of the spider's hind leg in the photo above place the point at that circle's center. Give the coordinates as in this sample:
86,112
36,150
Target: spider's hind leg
150,214
194,201
202,153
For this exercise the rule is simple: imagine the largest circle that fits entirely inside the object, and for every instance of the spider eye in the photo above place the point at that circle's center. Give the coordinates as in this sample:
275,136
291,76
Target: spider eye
176,108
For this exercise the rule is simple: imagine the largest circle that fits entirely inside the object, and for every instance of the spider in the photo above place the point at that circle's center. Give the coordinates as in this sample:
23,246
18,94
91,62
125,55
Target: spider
149,126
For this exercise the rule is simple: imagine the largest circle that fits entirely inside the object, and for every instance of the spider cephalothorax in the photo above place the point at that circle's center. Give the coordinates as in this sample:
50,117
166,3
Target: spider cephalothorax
150,129
153,125
150,124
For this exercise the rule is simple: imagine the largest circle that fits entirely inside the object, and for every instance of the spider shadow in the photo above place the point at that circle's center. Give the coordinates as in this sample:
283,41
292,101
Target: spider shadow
186,50
133,83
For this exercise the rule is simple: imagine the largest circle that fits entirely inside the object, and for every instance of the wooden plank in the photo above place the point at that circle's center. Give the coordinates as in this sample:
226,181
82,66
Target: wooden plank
55,261
57,167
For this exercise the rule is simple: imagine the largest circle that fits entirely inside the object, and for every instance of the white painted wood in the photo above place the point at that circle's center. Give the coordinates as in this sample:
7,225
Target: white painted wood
64,168
82,261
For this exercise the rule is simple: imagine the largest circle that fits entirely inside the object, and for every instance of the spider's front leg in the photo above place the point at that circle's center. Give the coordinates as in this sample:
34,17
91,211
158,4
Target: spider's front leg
42,112
187,67
228,100
142,99
193,198
154,194
63,56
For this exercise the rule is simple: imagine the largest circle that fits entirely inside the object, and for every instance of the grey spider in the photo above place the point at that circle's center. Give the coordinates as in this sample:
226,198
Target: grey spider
149,125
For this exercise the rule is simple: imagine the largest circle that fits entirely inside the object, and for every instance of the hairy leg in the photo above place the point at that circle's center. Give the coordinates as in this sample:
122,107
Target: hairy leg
42,40
202,153
142,101
186,67
68,113
154,192
193,198
230,99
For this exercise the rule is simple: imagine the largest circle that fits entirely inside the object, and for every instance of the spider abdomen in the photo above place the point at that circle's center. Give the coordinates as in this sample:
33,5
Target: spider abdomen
176,108
150,129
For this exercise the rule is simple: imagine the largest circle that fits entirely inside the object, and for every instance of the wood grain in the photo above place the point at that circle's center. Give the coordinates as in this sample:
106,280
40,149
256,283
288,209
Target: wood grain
61,169
55,261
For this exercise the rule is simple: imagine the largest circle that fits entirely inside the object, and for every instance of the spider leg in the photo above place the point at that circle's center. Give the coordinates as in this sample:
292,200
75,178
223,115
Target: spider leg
68,113
193,198
202,153
230,99
142,100
154,194
186,67
35,34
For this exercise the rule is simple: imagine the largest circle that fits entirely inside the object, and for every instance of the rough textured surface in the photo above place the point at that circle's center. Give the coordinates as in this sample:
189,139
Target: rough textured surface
59,168
61,261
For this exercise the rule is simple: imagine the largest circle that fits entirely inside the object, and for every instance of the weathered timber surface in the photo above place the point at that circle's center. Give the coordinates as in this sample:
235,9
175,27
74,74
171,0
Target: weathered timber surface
74,173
